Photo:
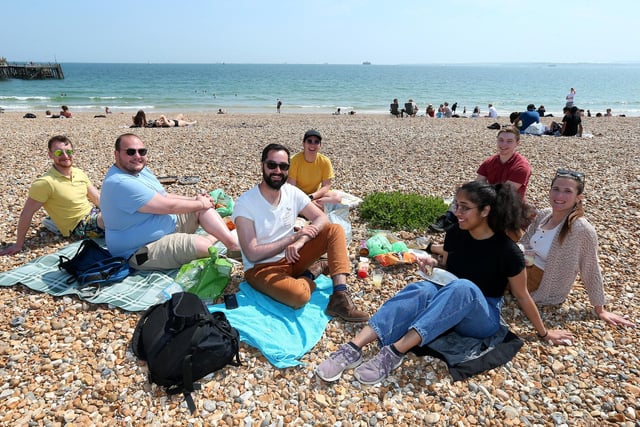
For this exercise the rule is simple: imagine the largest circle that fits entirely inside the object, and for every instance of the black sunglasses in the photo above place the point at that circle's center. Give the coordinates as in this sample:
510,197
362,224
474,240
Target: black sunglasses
272,165
566,173
132,151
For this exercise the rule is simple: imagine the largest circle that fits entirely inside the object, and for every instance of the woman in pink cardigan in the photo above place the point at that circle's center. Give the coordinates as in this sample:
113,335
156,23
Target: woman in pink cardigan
561,243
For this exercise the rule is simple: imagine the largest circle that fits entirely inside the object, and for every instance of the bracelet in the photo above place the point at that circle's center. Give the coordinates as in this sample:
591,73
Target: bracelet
546,332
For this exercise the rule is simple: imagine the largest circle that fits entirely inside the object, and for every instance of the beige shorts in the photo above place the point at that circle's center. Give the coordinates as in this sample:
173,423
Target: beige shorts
172,250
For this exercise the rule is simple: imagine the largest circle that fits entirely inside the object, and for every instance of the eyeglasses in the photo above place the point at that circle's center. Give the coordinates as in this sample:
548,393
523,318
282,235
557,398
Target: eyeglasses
566,173
455,207
132,151
272,165
59,153
313,141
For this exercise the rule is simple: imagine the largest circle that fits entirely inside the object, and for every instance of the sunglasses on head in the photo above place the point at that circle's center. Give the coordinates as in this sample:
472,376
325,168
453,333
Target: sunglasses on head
132,151
68,152
313,141
272,165
566,173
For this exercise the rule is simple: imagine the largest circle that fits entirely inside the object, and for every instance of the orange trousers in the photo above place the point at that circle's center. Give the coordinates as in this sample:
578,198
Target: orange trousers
281,280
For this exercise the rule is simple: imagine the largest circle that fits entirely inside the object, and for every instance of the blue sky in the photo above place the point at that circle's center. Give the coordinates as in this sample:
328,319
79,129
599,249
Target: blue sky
326,31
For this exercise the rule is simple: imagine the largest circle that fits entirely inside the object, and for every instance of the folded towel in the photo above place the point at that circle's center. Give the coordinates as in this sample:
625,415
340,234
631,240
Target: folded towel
282,334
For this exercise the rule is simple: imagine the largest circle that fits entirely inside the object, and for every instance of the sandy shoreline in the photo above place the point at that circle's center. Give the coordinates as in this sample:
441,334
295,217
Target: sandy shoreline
52,372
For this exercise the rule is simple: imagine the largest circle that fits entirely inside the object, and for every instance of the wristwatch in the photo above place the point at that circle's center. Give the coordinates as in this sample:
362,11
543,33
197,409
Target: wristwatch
311,196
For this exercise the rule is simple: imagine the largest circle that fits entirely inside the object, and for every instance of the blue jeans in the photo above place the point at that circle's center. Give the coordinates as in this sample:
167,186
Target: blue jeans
432,310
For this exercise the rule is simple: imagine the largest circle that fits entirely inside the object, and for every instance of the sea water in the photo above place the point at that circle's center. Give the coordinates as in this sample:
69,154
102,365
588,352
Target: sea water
322,88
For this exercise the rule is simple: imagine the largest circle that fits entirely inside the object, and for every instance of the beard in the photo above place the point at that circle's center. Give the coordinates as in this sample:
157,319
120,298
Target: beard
268,179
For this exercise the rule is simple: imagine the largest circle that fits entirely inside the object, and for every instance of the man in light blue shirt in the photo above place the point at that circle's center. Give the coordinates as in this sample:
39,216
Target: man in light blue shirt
150,227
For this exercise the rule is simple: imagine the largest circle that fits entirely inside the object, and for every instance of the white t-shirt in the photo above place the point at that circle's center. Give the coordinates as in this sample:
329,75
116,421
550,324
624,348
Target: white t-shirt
570,98
271,223
493,112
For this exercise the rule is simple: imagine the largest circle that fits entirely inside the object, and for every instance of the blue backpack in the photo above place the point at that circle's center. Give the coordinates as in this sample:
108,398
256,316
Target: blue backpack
93,266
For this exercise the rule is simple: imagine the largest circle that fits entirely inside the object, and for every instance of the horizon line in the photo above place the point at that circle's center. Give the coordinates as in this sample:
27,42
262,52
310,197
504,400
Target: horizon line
368,63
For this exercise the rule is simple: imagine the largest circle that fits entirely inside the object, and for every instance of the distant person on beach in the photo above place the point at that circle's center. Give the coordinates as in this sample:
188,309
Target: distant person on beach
281,262
430,111
541,111
506,166
337,112
561,243
65,112
66,194
312,171
570,98
413,109
493,113
394,108
446,111
140,120
220,111
476,112
179,121
572,123
485,262
608,113
454,107
278,105
529,117
49,115
153,229
107,110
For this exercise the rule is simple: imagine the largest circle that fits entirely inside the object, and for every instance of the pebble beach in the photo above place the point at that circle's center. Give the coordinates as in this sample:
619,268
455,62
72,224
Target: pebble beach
69,362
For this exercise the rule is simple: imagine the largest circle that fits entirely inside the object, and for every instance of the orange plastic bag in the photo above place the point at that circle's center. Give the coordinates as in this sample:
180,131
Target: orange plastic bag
393,258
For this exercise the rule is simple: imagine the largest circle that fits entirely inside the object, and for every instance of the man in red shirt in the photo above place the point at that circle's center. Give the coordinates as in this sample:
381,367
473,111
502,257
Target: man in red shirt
507,166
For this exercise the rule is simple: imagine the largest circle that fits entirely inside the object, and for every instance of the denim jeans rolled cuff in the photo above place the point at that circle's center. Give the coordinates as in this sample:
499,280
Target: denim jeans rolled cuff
432,310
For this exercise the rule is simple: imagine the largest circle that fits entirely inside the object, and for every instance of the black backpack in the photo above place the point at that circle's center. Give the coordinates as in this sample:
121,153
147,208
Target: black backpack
182,342
93,266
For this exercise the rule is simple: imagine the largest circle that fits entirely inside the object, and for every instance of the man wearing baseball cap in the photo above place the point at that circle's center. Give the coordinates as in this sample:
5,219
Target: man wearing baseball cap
312,172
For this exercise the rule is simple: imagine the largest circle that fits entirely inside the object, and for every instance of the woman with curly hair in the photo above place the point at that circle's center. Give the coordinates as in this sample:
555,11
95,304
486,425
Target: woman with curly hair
485,260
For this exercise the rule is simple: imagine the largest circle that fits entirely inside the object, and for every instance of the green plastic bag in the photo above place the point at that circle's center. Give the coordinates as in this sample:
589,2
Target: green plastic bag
399,247
222,202
205,277
378,244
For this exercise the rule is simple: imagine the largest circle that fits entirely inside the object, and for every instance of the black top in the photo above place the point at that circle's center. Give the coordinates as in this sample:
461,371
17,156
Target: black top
488,263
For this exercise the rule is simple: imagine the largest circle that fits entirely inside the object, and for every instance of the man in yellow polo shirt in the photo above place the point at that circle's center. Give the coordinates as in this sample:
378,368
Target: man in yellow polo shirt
312,172
66,193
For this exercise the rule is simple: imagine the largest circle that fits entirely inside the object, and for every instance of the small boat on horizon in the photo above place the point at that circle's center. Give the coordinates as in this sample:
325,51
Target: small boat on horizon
366,63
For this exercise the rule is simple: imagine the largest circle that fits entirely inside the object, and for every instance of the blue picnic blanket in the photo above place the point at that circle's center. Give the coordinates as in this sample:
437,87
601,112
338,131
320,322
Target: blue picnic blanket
135,293
282,334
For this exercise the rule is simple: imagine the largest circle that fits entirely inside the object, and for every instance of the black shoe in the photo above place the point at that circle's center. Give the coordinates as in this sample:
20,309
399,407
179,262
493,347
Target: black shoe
444,223
440,224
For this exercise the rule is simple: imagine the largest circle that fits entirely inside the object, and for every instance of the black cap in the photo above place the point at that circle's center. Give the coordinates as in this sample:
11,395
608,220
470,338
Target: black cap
531,107
312,132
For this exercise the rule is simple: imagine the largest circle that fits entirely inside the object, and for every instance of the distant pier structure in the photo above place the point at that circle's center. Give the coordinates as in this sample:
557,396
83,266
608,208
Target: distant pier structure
31,71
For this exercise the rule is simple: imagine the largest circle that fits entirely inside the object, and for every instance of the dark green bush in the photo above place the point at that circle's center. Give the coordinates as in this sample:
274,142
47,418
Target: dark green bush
400,211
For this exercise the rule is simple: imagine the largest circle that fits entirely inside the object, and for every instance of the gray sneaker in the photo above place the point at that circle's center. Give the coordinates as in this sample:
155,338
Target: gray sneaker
344,358
378,368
